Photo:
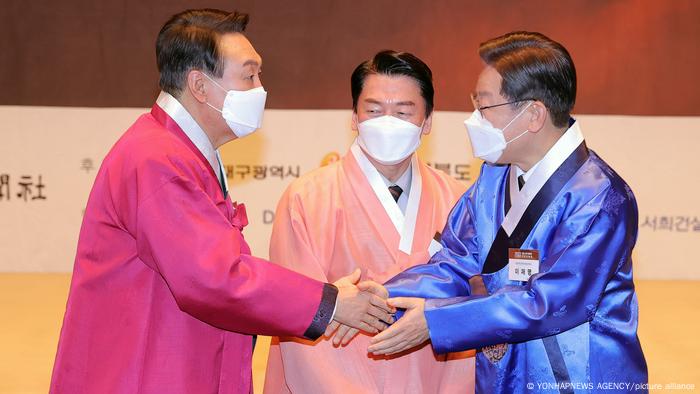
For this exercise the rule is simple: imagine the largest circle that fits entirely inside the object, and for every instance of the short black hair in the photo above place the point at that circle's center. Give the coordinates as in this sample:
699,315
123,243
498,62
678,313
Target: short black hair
189,41
392,63
534,67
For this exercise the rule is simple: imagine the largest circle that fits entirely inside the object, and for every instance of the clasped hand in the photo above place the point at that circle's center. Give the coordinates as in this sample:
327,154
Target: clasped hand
364,306
360,306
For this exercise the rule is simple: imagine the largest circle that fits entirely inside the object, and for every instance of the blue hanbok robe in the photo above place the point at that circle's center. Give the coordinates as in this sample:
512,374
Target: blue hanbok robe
572,327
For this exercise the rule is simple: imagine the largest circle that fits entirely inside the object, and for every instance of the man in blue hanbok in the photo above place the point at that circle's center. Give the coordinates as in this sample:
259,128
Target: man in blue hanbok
536,266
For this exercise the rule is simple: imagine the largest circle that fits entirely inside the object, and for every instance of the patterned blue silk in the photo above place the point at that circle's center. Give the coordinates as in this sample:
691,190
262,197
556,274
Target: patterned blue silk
583,298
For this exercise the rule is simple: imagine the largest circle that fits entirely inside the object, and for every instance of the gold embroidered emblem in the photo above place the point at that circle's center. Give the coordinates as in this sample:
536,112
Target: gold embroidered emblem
495,352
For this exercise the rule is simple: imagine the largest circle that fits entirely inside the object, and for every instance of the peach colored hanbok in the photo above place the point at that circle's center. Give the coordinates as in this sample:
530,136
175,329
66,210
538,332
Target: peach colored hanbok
341,217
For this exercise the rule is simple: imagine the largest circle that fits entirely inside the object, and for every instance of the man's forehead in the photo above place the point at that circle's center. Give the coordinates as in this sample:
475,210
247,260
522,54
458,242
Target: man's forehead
488,79
235,47
488,84
390,84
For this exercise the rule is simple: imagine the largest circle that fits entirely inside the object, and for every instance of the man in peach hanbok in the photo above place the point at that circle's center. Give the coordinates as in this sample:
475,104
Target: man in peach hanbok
380,210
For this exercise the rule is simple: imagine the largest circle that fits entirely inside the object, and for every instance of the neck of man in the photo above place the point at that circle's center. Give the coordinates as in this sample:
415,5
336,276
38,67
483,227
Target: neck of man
540,143
206,116
392,172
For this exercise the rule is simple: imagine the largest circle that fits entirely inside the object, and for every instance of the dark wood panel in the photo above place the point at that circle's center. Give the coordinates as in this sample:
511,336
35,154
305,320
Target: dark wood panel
633,57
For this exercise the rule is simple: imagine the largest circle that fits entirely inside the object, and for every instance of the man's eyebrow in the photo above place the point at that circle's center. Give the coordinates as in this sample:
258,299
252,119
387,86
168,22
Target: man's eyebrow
373,101
251,62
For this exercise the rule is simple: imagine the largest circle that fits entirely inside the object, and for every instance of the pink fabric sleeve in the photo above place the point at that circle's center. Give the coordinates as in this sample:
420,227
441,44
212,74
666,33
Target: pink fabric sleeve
205,262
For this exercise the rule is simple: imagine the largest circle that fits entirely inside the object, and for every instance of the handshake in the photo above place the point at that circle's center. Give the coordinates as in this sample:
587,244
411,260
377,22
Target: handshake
364,307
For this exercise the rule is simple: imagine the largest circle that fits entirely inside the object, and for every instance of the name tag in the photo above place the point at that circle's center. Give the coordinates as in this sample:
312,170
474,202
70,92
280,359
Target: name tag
522,264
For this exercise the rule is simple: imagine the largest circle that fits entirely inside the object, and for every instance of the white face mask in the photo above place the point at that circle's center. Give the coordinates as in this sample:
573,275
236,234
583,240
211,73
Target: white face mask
387,139
243,109
488,142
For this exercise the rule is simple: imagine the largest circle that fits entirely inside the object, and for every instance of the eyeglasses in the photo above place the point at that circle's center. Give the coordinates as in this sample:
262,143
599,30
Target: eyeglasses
482,108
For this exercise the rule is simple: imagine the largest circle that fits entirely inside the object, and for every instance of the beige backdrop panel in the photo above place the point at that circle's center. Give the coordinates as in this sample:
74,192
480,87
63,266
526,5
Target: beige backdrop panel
49,158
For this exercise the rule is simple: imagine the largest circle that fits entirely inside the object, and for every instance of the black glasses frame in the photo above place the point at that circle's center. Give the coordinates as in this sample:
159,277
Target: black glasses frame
497,105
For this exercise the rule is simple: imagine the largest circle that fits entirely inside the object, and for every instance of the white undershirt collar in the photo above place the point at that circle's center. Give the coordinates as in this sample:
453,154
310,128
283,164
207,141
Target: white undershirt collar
194,132
404,182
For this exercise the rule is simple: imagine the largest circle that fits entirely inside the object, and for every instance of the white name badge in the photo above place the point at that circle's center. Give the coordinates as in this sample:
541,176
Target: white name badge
522,264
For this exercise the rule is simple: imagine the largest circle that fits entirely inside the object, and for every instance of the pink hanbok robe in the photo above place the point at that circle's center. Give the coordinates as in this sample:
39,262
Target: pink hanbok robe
165,293
330,222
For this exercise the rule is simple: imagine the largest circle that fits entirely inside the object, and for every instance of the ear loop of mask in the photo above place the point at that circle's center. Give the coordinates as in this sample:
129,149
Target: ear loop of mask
215,83
516,117
220,87
421,124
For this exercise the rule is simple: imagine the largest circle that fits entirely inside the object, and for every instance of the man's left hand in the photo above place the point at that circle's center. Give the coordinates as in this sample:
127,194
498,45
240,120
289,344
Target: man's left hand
408,332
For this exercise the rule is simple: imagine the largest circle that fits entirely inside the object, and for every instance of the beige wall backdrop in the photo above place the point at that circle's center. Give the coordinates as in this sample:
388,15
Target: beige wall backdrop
633,57
49,157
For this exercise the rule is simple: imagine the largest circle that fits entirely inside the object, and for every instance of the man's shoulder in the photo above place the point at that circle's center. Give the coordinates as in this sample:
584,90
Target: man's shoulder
606,170
446,182
615,192
493,170
317,181
489,179
145,141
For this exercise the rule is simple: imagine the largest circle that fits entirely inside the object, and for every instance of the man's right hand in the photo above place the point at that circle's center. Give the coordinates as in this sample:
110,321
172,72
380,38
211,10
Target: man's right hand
363,310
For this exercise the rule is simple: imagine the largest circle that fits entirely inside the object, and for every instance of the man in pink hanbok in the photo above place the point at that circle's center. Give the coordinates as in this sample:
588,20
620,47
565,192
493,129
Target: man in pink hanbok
165,296
379,209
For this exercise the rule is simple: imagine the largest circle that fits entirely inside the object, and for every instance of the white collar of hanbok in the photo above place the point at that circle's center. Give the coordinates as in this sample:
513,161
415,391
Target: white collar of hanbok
405,224
521,198
194,132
